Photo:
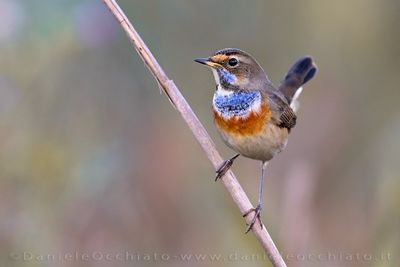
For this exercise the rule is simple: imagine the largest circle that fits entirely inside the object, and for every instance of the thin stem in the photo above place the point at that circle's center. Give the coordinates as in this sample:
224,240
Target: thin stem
178,101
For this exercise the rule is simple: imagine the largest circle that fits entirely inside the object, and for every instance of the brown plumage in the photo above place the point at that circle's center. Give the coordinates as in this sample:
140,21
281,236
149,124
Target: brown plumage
253,116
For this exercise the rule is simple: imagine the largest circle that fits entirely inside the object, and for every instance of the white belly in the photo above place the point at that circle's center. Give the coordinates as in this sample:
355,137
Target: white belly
263,146
245,125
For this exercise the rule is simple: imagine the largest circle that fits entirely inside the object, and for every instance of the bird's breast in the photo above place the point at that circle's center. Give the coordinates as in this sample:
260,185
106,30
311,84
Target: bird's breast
240,113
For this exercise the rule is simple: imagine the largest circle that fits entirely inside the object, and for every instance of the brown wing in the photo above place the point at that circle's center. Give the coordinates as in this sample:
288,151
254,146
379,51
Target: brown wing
282,113
288,118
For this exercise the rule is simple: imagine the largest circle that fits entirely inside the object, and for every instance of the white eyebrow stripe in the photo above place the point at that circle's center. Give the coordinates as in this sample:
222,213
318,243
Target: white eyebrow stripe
242,59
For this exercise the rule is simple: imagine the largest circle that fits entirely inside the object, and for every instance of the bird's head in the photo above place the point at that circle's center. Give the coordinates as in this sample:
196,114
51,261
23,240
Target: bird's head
235,69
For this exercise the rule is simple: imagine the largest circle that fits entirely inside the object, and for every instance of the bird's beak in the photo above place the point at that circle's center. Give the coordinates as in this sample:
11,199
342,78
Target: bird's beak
207,62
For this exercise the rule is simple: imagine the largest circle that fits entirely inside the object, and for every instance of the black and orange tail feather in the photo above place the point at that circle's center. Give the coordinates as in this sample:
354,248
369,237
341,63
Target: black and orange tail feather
301,72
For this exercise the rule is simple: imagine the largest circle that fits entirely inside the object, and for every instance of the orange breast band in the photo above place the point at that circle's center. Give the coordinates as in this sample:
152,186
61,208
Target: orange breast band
249,124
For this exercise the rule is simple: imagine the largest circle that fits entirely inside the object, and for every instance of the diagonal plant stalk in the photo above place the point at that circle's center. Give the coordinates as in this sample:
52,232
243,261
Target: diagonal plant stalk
178,101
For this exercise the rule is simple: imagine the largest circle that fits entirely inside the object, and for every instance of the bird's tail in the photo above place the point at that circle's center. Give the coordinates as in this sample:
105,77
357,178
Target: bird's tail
301,72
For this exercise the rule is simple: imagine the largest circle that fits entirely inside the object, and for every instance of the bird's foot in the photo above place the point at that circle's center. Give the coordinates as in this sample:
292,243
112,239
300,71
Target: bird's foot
225,167
257,216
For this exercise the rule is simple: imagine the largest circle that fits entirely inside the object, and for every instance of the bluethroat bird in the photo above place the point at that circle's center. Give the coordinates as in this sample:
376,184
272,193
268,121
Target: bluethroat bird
253,117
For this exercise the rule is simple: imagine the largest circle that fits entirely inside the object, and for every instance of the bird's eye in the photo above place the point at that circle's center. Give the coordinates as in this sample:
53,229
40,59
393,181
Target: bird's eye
233,62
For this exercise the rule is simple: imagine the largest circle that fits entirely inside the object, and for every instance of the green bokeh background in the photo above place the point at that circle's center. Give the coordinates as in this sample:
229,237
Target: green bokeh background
94,160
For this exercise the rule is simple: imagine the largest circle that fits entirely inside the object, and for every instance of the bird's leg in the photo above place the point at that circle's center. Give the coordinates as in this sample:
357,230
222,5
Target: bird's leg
225,167
257,210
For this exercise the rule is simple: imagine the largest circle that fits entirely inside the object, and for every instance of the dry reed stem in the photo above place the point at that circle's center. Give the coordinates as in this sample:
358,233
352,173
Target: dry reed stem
178,101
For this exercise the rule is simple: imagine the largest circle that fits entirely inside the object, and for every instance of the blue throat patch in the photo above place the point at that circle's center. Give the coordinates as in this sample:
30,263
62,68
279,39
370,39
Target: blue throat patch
226,77
235,104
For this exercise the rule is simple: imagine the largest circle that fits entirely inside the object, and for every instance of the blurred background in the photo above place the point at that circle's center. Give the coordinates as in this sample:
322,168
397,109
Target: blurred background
94,161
